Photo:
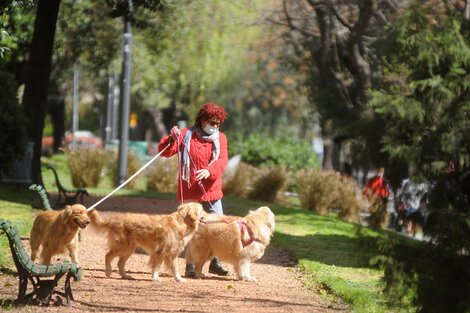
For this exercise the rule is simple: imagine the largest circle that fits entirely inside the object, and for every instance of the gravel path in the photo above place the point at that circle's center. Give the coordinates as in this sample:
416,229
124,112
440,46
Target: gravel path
279,287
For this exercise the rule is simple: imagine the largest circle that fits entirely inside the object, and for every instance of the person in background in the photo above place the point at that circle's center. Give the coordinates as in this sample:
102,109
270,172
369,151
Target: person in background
377,191
204,158
411,204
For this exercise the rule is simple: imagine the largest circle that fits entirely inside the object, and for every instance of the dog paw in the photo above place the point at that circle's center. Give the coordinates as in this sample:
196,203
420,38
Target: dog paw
181,279
158,279
200,275
127,276
249,278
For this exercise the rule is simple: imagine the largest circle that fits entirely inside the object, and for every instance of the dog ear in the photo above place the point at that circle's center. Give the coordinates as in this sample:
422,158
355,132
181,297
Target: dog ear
66,214
183,210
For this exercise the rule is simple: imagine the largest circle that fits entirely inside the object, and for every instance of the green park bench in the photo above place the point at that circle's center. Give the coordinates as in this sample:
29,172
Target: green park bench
37,274
70,195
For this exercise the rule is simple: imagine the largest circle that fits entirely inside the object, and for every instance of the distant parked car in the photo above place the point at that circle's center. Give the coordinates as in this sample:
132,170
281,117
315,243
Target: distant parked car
83,138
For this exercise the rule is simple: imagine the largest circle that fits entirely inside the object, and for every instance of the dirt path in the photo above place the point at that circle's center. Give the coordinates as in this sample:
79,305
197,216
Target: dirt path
277,290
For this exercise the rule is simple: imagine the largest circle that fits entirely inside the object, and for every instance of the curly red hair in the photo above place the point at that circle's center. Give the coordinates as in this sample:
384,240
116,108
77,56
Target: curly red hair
208,111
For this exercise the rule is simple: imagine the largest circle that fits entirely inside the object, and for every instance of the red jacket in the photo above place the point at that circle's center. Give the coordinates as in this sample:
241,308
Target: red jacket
201,153
378,186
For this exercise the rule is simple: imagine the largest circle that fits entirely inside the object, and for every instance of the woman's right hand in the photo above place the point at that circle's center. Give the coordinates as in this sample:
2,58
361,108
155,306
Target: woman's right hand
175,132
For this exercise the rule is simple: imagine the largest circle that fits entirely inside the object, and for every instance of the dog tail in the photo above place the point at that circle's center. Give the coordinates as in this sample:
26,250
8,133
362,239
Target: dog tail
97,223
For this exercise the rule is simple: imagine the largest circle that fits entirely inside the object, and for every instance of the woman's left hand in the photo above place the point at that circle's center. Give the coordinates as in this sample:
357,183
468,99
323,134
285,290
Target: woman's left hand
202,174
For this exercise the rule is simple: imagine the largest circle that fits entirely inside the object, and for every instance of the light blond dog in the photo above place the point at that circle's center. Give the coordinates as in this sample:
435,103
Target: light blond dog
57,231
163,237
236,240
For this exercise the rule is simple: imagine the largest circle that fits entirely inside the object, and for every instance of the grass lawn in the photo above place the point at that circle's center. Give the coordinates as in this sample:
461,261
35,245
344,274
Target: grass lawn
330,255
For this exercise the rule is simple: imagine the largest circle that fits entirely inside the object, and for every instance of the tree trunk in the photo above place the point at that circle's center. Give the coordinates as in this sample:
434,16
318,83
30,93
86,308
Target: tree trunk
37,79
56,109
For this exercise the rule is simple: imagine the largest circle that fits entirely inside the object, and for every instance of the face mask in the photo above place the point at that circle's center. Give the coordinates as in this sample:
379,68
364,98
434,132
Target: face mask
210,130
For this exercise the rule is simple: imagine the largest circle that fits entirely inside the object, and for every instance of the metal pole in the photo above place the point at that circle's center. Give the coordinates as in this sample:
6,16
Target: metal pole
116,93
75,104
109,109
125,99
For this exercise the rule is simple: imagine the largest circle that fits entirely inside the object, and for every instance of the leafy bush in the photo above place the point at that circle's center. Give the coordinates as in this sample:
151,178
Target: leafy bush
261,151
318,190
86,165
269,182
349,202
163,176
322,191
240,183
133,165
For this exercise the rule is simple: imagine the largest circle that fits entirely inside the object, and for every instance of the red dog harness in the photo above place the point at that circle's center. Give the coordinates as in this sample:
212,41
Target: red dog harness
250,233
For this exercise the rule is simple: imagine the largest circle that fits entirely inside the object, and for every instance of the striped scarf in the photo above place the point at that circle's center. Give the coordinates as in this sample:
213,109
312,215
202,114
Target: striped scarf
214,138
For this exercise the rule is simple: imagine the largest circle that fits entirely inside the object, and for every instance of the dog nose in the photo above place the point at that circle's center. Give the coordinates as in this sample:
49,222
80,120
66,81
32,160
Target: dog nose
88,222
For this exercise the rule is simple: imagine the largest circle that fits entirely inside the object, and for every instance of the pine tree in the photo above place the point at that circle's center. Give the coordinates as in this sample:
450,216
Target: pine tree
425,103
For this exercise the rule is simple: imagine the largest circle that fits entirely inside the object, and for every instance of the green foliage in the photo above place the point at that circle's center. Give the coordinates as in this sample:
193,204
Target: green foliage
12,123
163,176
14,206
427,125
259,151
323,191
86,165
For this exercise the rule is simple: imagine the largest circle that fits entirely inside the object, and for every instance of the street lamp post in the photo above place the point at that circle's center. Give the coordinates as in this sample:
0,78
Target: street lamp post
125,94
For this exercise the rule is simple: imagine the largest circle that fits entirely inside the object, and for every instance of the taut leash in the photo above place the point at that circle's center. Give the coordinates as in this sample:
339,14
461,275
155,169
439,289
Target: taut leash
128,180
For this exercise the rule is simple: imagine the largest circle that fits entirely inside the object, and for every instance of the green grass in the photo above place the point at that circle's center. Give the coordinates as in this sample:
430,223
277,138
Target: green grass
330,252
14,206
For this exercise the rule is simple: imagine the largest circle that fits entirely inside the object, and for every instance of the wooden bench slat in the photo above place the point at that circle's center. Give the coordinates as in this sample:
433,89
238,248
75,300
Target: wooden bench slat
65,266
58,268
73,267
79,273
29,265
50,270
35,269
6,226
42,270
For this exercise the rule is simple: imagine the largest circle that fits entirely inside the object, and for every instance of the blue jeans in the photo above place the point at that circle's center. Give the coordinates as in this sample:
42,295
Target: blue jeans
216,207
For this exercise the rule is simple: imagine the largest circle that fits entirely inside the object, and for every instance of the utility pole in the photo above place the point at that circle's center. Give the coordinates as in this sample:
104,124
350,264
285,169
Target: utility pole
109,108
125,98
75,104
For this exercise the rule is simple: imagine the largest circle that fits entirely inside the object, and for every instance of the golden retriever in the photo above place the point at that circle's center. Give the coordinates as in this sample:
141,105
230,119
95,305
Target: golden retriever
56,231
236,240
163,237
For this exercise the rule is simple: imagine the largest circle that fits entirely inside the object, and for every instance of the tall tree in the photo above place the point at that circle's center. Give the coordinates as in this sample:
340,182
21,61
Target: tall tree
425,105
335,39
37,78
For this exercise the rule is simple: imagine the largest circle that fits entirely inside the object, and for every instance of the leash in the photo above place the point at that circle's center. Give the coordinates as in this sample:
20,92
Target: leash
128,180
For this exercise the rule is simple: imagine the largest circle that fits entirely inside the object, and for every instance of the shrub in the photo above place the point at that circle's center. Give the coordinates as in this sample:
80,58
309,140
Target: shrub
378,217
239,183
163,176
269,182
133,165
349,202
259,150
86,165
322,191
318,190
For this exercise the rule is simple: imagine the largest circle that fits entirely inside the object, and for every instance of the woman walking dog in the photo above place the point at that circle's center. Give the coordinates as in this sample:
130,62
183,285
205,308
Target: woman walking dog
203,159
